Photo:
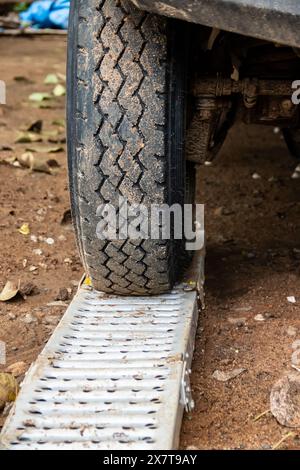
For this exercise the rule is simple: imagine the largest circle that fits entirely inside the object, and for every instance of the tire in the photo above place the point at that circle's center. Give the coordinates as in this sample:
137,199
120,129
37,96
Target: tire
127,76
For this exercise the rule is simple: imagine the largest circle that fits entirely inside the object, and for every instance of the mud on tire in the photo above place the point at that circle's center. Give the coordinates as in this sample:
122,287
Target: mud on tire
127,76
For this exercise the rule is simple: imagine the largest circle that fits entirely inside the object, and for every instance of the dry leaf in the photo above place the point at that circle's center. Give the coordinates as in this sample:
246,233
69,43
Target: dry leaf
8,389
59,90
8,160
39,97
17,369
41,149
59,122
24,230
36,127
9,291
37,162
27,138
51,79
87,281
52,133
61,76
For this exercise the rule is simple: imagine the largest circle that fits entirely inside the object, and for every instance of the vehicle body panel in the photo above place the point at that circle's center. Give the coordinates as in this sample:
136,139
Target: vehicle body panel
273,20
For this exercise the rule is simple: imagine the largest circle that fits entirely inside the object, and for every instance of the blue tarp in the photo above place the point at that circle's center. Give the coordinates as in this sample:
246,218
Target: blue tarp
47,14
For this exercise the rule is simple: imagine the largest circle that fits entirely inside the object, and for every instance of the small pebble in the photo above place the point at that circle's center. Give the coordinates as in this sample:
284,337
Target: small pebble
259,317
291,331
50,320
62,295
272,179
284,400
28,319
239,322
28,289
41,211
225,376
242,309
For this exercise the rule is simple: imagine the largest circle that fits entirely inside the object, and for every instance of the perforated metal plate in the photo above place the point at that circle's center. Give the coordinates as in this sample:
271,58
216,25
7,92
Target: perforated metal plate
114,375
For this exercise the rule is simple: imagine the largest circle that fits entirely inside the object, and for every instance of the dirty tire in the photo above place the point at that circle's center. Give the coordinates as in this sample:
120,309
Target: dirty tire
126,125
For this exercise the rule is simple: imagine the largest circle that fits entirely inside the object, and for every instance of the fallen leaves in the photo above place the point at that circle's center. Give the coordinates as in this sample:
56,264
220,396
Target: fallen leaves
45,149
59,123
54,78
59,91
51,79
36,127
24,229
38,162
8,389
12,289
17,369
35,157
39,97
87,282
28,137
9,291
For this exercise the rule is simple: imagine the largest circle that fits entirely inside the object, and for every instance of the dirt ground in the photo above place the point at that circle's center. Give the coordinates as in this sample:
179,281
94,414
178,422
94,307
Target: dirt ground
253,247
36,198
